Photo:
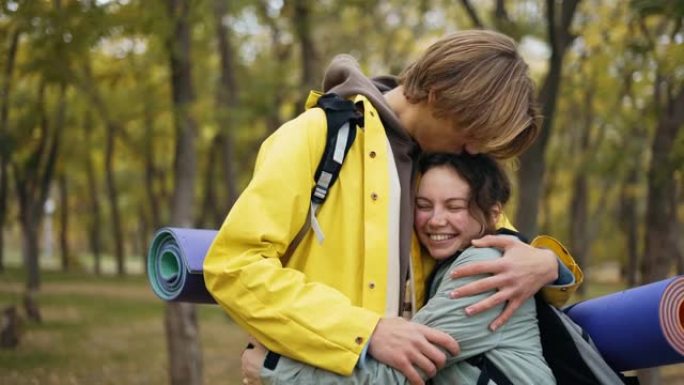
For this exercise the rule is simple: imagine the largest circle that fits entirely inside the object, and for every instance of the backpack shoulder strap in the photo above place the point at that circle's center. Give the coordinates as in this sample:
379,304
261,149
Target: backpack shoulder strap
342,118
488,371
569,351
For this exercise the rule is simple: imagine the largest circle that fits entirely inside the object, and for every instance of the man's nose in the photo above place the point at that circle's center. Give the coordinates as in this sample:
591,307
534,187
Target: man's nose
471,149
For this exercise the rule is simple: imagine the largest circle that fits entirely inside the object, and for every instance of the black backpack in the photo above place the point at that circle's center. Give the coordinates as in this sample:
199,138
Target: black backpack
567,348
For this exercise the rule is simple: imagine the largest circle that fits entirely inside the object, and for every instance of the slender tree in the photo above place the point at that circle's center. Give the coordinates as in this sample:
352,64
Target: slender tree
182,329
65,252
222,146
8,72
227,102
32,183
532,162
661,248
94,228
308,54
281,50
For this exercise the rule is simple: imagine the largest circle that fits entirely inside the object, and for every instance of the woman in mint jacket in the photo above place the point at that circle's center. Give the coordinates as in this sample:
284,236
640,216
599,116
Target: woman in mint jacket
459,199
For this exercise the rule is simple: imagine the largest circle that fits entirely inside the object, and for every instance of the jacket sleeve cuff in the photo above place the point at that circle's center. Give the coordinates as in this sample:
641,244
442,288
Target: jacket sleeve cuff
565,276
559,292
363,357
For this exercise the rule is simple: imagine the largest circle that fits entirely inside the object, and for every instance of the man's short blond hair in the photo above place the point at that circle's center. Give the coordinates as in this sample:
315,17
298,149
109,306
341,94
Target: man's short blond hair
477,79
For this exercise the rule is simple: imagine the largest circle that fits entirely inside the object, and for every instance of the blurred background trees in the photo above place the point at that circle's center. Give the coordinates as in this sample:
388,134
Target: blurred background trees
118,117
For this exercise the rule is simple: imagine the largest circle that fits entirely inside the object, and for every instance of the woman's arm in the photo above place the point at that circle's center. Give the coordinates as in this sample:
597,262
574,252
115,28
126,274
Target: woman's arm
449,314
441,312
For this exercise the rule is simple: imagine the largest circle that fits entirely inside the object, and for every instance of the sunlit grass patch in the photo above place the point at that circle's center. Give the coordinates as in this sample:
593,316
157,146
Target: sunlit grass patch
106,330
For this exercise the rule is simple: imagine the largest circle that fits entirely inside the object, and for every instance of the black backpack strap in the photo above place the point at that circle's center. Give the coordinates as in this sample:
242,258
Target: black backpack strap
560,350
488,371
342,118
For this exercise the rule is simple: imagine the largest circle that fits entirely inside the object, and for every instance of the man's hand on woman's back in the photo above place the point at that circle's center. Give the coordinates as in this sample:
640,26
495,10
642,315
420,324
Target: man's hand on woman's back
518,275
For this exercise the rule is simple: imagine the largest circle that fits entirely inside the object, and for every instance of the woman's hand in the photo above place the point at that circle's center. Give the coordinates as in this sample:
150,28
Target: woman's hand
518,275
252,361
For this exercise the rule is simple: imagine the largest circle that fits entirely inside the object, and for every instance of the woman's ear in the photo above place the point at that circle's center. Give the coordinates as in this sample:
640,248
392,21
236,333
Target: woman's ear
496,213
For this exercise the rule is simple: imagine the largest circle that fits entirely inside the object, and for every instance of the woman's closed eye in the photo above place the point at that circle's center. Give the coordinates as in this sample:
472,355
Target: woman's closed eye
423,204
423,207
456,208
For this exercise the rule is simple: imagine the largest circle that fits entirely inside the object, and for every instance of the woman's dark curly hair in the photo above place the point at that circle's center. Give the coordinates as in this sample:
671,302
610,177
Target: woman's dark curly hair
487,180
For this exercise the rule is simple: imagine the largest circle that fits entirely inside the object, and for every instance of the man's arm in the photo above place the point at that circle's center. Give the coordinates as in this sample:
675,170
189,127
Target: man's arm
522,271
279,306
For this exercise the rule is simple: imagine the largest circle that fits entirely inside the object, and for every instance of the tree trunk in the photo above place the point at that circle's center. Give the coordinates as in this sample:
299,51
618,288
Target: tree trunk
474,18
281,52
29,229
32,183
8,71
210,211
182,330
226,100
182,336
578,225
95,218
4,180
308,54
580,238
89,86
143,234
64,223
532,162
629,224
154,200
661,249
10,327
113,198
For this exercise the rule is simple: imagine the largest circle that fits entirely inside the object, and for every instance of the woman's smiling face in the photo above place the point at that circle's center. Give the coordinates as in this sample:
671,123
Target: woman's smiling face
443,220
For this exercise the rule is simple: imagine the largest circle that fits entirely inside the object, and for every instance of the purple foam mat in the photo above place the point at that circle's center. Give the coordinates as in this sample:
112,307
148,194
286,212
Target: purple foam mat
637,328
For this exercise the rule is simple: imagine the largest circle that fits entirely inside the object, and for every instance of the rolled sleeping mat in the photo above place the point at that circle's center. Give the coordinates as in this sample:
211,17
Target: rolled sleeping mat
174,264
638,328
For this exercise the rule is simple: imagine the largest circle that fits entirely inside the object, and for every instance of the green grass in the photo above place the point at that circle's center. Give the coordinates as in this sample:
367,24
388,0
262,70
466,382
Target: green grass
110,330
106,330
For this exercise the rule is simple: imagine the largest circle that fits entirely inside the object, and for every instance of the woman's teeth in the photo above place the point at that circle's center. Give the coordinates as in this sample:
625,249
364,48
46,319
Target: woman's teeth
440,237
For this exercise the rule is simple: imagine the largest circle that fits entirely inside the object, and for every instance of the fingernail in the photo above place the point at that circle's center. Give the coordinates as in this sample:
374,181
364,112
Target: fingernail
494,326
455,294
454,274
469,310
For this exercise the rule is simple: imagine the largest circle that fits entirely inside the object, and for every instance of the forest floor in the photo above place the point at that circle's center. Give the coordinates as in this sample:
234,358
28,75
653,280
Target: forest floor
109,330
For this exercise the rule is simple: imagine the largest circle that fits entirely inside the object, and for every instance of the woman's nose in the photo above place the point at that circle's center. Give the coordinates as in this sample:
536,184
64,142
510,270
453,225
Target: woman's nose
437,218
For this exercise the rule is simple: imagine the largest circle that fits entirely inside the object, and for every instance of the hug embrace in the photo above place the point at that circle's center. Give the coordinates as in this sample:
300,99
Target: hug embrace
350,297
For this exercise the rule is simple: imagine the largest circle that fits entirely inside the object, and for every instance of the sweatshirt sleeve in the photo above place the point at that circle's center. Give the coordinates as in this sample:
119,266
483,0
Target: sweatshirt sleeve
279,306
448,314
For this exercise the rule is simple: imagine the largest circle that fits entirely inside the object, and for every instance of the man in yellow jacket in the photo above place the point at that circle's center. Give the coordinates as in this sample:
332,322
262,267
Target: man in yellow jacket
346,289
